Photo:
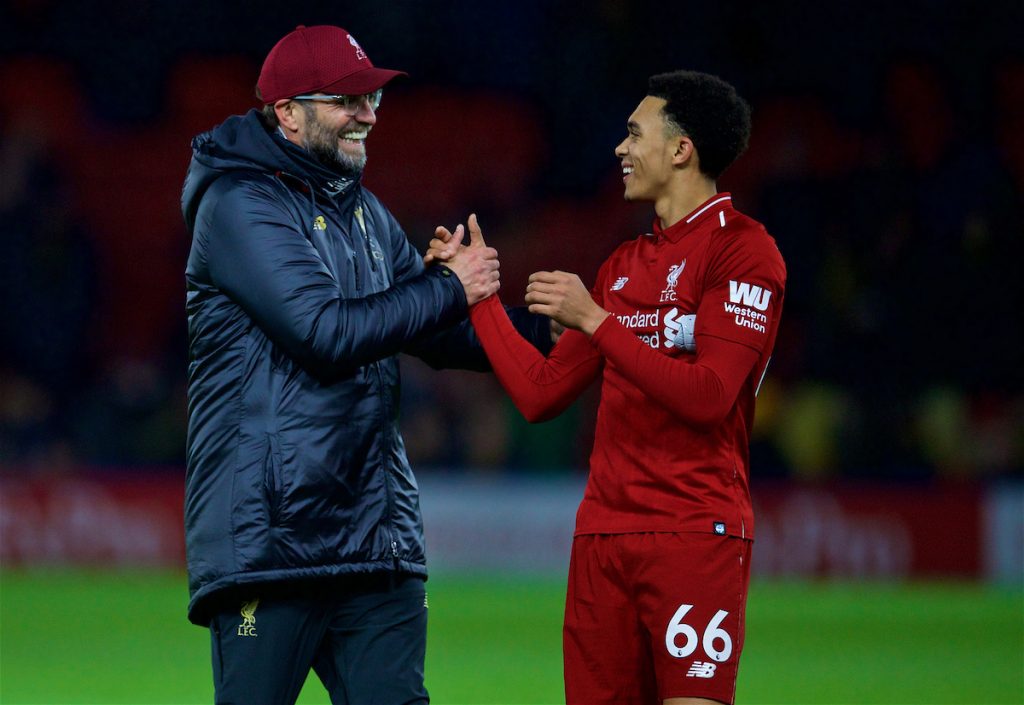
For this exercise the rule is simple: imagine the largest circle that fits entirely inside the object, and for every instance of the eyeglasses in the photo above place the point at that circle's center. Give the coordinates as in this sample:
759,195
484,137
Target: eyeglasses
349,103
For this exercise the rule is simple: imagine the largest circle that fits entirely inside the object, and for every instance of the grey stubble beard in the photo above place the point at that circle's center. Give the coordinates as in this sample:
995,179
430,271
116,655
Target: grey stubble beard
322,143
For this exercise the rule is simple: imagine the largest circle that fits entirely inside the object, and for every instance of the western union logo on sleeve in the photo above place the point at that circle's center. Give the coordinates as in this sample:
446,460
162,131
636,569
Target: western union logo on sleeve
749,295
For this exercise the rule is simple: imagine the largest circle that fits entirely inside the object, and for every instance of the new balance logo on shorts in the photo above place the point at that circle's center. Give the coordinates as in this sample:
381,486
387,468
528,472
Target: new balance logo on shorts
701,669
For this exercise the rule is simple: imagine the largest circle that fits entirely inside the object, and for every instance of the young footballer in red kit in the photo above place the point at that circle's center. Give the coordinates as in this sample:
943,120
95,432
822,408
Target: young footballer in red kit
679,327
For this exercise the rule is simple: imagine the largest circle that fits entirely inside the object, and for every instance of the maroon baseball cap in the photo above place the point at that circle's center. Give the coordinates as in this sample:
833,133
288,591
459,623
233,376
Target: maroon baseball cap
320,59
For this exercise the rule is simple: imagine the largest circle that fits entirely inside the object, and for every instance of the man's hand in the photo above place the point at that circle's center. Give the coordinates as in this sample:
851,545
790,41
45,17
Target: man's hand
562,297
475,264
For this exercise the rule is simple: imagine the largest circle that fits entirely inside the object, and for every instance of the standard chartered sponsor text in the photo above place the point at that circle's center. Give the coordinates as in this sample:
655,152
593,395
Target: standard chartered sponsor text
638,319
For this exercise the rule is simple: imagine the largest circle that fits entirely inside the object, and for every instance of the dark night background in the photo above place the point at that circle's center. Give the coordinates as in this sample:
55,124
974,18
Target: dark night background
887,159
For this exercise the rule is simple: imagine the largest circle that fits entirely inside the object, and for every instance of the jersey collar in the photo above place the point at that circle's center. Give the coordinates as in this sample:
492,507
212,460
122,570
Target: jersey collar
710,208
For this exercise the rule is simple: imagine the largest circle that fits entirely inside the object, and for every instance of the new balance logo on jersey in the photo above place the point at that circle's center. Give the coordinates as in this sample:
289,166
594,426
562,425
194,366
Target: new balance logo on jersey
701,669
749,295
619,283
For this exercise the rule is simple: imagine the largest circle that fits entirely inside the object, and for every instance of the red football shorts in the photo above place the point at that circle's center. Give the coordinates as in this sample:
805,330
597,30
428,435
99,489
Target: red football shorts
654,616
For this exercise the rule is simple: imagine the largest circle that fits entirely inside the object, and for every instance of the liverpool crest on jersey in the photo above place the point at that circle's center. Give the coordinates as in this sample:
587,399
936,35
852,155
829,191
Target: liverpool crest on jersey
669,293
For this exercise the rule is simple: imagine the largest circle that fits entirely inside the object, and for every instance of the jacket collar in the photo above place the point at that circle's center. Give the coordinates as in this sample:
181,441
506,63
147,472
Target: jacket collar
306,168
246,142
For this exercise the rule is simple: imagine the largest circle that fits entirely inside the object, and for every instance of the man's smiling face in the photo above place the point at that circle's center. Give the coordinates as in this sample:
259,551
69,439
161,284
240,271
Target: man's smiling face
334,137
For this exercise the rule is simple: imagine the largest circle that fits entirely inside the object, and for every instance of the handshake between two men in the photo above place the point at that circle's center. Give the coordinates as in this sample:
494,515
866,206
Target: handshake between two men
560,296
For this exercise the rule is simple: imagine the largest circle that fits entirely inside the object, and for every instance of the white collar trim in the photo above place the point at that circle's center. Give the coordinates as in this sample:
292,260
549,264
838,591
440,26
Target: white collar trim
717,200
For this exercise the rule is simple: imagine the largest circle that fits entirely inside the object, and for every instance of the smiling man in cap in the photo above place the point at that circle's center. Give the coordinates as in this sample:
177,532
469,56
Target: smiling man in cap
304,537
323,67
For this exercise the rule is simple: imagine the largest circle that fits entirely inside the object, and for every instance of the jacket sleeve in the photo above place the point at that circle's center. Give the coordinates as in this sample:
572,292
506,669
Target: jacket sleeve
459,346
259,258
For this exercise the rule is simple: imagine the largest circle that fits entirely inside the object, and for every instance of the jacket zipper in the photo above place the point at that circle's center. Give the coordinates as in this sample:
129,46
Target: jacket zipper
360,219
369,251
385,408
385,445
272,479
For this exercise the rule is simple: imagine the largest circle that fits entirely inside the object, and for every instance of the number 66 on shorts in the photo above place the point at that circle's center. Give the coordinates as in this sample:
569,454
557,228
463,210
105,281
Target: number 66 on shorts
713,635
652,616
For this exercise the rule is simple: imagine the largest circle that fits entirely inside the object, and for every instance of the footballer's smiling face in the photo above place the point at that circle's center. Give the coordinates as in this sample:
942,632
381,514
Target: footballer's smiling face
647,152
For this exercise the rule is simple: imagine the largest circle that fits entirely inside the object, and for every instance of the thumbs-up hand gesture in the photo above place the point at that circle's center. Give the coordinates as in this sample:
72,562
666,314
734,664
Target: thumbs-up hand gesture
475,264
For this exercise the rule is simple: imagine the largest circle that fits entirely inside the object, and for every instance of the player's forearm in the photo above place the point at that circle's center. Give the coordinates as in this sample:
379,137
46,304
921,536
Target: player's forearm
701,392
540,387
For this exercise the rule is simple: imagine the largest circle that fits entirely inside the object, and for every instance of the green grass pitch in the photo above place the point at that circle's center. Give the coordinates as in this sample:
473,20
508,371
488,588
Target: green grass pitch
108,637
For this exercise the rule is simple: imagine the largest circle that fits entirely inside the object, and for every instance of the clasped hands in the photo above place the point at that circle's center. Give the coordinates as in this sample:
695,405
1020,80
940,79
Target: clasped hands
561,296
475,264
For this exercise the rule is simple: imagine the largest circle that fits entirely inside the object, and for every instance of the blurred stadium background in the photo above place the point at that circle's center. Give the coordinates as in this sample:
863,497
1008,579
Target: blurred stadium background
887,159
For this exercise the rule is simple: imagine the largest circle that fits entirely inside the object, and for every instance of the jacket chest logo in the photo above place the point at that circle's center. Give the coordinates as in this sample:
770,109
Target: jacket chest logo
359,218
319,223
669,292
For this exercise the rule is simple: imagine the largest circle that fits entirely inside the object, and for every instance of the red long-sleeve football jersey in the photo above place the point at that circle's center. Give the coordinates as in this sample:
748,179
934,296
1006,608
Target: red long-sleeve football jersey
671,447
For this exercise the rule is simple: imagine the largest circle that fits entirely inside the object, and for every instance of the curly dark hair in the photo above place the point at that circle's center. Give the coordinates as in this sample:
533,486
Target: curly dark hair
708,111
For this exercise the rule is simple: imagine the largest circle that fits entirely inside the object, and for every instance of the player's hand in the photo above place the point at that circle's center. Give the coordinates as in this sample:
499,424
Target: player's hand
562,297
475,264
444,245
